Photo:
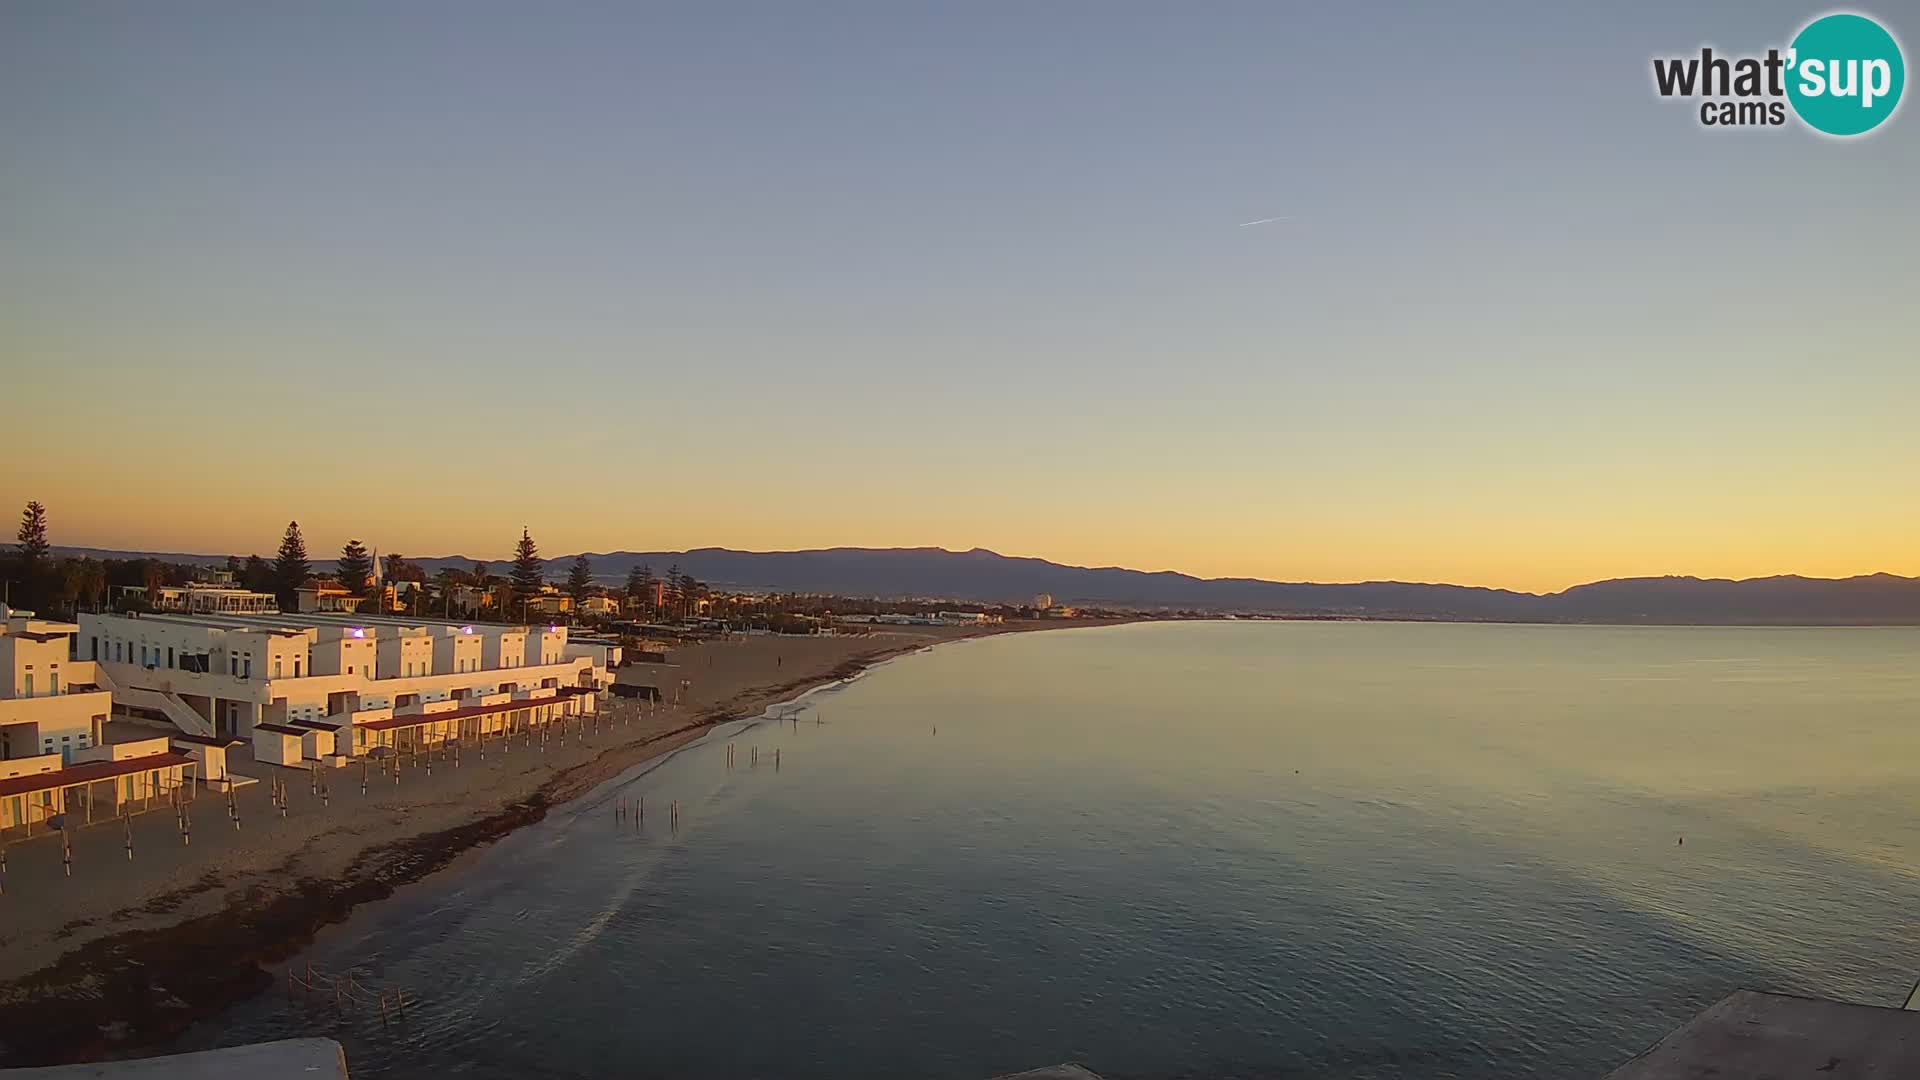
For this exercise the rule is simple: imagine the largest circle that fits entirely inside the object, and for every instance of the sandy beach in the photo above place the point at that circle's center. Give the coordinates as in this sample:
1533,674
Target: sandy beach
126,952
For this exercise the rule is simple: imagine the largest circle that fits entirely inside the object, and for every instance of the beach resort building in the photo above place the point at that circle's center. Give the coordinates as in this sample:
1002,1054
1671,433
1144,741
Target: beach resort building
335,684
51,705
54,759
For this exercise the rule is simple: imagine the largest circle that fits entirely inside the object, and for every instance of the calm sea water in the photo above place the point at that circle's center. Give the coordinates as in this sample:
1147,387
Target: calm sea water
1194,850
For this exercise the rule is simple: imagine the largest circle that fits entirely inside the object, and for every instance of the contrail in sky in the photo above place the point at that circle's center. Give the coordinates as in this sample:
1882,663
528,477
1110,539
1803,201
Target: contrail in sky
1264,221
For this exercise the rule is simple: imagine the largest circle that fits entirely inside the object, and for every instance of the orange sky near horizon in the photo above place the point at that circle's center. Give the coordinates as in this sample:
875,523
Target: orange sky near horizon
1530,557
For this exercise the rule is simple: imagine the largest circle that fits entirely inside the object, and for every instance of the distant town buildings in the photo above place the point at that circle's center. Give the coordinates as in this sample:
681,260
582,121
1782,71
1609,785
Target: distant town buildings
938,618
202,598
1042,601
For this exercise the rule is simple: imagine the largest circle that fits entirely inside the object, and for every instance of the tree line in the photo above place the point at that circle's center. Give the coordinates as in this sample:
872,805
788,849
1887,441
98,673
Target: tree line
35,579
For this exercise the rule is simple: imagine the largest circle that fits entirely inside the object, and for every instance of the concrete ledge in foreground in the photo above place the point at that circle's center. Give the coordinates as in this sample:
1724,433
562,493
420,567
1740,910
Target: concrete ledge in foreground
1053,1072
1751,1034
307,1059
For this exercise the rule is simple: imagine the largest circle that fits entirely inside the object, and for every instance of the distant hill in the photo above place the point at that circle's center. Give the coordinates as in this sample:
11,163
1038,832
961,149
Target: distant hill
986,576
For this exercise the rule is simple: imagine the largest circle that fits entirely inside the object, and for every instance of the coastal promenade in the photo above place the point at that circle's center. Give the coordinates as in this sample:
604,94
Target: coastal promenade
139,947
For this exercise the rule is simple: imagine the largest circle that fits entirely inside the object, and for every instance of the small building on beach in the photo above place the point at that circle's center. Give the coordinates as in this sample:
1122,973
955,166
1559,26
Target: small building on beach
102,781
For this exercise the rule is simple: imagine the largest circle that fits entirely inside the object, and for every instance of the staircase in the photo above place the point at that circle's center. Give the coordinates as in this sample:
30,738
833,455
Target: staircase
166,704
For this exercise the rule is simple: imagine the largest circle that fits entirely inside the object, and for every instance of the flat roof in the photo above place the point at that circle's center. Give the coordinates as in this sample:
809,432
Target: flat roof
202,740
88,773
420,719
318,725
278,728
1749,1033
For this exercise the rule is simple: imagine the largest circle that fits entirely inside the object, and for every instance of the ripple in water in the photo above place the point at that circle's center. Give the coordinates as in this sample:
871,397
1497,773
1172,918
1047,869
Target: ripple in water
1193,850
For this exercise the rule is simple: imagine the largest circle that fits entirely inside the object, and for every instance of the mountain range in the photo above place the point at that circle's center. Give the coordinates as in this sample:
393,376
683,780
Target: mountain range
985,576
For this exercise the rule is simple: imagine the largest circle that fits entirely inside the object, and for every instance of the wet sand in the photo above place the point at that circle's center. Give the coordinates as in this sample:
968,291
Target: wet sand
125,954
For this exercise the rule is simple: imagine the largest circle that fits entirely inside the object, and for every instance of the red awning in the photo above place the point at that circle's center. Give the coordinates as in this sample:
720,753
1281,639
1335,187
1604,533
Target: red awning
88,773
423,719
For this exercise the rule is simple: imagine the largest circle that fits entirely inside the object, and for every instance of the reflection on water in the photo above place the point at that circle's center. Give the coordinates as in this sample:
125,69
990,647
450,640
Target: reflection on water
1224,849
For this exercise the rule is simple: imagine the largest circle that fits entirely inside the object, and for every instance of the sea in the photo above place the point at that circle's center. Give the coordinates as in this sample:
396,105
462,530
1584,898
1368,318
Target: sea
1186,850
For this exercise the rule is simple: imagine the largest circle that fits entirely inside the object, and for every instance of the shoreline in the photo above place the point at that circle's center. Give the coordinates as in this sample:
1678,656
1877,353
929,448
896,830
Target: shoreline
127,990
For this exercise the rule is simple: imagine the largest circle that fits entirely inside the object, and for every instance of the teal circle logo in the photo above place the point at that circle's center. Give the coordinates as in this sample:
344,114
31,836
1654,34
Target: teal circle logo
1845,74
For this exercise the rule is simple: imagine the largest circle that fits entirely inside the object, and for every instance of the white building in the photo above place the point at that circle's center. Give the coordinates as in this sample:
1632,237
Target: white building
202,598
50,703
222,676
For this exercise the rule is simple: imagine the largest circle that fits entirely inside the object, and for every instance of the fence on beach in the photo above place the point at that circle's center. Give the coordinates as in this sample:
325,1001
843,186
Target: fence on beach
347,993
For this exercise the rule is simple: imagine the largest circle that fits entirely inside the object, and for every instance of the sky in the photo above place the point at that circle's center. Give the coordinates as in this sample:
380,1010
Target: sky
773,275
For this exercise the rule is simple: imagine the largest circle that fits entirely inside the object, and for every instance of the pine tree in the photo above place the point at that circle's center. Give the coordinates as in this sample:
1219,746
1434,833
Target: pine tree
526,568
580,581
33,535
290,567
639,586
672,591
356,568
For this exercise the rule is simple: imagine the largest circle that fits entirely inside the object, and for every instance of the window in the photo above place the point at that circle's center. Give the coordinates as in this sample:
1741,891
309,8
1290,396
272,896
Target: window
53,683
169,656
276,667
29,691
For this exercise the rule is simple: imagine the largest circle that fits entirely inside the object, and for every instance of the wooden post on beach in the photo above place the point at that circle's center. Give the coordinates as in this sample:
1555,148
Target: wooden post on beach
66,849
3,869
309,976
363,776
776,759
383,1008
129,821
186,825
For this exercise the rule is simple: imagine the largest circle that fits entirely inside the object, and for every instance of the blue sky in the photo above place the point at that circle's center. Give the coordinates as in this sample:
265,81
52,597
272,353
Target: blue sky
789,275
